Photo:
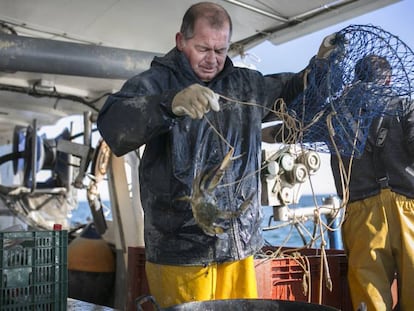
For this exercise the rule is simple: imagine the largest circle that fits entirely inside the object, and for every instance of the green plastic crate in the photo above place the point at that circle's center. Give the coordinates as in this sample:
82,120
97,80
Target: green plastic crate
33,270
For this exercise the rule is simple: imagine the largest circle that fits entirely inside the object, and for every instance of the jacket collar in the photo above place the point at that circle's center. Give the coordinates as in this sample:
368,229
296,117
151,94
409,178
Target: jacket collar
177,62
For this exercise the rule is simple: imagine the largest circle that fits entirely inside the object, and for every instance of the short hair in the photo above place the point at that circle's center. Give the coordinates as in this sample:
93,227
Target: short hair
215,14
372,68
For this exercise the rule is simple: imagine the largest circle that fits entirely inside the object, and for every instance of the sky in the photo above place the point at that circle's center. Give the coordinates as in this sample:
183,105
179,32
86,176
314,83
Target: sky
398,19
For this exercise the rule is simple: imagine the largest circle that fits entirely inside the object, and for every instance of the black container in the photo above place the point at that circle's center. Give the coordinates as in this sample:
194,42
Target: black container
237,304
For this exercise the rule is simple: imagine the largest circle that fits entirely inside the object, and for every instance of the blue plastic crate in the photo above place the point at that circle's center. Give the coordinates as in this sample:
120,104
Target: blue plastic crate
33,270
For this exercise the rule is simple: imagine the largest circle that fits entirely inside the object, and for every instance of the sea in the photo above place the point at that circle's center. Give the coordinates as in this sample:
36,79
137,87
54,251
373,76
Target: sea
304,231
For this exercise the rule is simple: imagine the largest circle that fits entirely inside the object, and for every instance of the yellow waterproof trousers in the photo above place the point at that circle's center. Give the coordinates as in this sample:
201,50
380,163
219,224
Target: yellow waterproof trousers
378,236
172,285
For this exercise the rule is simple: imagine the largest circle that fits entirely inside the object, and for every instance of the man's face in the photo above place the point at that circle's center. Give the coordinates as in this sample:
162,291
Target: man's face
206,50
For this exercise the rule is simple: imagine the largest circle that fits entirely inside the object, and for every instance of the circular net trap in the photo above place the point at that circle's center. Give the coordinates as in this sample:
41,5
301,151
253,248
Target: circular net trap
368,74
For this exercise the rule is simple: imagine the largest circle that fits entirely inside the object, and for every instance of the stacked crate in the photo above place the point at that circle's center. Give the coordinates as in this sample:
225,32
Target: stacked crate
33,270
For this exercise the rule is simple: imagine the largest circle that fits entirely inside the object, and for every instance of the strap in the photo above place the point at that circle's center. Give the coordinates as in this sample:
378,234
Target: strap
379,165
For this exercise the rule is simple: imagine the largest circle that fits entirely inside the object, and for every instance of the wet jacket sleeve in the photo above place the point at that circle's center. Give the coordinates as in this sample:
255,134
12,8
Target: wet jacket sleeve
289,86
286,86
137,113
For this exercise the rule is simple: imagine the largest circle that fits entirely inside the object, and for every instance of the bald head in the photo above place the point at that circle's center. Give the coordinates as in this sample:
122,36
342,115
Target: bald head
216,16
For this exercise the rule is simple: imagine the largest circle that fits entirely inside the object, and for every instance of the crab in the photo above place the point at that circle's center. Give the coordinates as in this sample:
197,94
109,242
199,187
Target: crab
203,202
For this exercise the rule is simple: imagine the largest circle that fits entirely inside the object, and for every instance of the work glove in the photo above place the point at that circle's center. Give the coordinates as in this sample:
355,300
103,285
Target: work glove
327,46
195,101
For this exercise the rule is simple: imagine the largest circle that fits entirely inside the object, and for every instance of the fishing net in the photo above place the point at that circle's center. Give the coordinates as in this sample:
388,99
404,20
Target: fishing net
345,94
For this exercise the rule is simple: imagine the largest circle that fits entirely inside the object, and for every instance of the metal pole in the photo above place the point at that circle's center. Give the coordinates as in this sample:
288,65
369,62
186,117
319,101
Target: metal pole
18,53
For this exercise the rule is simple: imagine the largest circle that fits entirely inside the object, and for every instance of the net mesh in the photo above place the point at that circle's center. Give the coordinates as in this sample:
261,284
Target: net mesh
345,94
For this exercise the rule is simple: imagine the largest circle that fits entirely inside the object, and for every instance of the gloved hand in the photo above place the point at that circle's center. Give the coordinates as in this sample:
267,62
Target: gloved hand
327,46
195,101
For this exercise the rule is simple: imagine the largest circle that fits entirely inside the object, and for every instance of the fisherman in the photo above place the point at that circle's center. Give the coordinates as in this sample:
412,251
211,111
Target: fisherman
378,230
190,110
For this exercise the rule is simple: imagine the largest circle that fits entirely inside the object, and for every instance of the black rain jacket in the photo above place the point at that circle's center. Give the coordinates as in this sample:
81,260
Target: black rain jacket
179,148
390,165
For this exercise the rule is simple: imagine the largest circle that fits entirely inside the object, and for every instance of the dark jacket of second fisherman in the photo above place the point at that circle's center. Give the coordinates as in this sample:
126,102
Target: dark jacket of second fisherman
387,160
179,148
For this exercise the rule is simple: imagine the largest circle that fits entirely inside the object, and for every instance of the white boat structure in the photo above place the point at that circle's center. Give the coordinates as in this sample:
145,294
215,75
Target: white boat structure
60,59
